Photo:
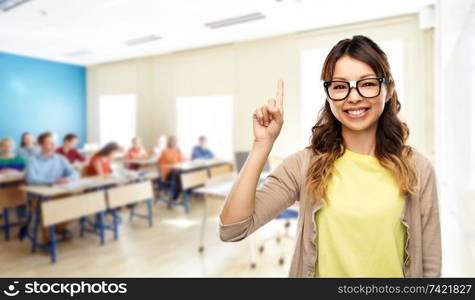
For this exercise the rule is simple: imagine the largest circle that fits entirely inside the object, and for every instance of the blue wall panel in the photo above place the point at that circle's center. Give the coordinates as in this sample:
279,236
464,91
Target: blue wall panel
39,95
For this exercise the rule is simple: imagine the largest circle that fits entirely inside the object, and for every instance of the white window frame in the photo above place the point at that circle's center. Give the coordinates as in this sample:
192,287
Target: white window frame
184,125
133,114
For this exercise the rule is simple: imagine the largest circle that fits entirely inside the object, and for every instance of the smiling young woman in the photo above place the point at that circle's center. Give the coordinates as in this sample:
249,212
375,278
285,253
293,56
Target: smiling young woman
368,201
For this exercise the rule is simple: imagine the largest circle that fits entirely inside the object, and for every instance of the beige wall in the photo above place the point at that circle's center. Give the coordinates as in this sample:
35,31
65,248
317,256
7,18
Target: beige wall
249,72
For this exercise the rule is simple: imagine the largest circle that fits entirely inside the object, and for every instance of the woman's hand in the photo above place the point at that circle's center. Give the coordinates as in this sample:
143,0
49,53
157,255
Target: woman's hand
268,119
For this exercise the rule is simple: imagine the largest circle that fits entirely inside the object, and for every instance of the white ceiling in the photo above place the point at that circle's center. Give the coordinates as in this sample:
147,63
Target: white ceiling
52,29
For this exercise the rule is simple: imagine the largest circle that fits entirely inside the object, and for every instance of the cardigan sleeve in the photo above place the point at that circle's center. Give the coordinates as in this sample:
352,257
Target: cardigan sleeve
279,191
431,238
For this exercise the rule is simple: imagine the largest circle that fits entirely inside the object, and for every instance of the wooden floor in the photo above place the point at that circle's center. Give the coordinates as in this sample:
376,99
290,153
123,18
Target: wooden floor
169,249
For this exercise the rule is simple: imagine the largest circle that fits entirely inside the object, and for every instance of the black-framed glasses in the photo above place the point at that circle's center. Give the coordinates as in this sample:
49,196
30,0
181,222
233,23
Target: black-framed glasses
338,90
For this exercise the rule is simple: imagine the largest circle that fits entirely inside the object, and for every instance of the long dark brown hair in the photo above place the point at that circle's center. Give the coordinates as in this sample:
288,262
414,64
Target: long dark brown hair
326,141
108,149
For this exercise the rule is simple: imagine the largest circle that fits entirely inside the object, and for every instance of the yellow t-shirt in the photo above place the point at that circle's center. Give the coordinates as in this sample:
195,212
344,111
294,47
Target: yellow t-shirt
360,233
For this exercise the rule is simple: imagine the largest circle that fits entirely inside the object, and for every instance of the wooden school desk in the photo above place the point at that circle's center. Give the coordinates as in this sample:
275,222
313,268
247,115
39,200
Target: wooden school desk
12,177
83,186
189,167
10,197
144,163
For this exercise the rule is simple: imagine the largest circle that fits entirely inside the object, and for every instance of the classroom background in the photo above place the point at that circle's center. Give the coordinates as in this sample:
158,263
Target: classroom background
132,92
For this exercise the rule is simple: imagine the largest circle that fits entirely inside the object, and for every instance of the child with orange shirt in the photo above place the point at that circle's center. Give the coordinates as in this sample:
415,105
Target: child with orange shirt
170,156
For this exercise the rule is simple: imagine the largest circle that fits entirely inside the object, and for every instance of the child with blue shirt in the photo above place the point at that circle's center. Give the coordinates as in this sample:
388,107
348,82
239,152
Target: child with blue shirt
48,167
200,151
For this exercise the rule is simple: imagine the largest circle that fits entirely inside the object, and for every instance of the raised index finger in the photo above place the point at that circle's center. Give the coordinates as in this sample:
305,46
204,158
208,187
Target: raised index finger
280,93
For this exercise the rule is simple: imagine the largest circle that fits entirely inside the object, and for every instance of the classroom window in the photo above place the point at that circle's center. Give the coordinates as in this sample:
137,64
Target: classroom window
210,116
394,50
117,118
313,94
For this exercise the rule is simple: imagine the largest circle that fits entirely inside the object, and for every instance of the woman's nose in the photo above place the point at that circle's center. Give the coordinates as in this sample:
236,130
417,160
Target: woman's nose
354,96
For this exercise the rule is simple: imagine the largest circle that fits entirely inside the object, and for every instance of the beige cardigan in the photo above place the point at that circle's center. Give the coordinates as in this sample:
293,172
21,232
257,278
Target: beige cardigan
286,184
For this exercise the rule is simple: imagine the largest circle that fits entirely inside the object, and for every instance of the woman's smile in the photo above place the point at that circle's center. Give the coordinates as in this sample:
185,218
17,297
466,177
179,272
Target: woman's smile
356,112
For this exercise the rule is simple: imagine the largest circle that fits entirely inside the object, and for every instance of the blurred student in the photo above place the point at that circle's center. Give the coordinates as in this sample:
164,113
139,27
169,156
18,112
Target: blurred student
170,156
135,152
100,163
9,161
69,150
47,167
200,151
28,146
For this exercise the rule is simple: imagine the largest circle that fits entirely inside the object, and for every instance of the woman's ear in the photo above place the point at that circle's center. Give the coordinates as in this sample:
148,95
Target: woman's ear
390,93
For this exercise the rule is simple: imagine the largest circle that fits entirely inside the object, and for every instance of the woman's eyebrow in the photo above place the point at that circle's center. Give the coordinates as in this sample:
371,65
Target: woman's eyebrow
361,77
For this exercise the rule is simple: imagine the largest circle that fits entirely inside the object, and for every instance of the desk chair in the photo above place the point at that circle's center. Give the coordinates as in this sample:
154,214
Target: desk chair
10,197
240,158
66,209
286,216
